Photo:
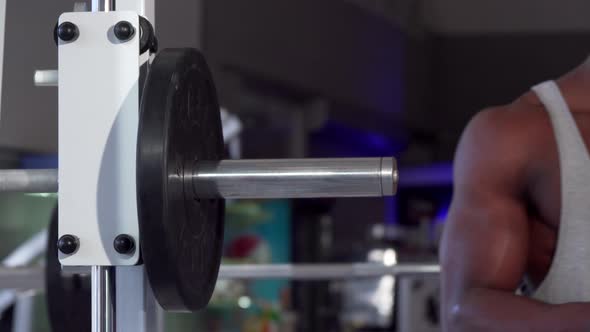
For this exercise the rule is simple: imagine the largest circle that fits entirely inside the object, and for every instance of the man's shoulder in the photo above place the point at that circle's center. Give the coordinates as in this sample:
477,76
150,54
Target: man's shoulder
504,140
518,123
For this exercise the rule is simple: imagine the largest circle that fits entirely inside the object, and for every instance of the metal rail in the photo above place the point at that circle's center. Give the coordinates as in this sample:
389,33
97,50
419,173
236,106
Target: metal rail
103,5
103,299
322,271
33,278
265,178
28,181
103,280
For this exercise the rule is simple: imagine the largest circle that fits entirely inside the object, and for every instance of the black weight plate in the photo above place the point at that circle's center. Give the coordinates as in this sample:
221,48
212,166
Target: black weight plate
67,296
181,234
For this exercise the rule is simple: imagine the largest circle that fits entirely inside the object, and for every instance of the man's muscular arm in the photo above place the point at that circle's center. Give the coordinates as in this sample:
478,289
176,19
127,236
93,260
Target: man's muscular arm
485,246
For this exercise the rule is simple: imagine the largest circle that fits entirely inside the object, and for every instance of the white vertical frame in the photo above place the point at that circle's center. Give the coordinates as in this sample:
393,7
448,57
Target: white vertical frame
137,308
150,10
98,119
145,8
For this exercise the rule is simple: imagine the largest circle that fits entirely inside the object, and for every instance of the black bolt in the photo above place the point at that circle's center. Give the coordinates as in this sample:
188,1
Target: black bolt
124,244
67,31
124,30
68,244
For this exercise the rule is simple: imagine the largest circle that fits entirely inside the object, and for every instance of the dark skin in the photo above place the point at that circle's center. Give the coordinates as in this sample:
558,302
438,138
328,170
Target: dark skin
505,216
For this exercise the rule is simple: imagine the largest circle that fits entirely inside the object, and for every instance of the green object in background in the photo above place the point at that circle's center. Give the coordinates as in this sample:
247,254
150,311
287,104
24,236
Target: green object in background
245,214
270,222
256,232
277,234
22,216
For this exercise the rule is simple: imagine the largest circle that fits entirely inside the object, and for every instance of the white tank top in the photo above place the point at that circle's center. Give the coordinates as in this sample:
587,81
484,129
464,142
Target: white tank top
568,279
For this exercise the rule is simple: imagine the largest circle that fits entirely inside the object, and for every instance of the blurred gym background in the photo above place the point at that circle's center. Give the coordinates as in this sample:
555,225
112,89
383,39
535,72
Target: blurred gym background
308,78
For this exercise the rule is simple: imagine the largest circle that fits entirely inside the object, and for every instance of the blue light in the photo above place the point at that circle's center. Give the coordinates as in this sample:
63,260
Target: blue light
339,140
39,161
424,176
443,212
390,210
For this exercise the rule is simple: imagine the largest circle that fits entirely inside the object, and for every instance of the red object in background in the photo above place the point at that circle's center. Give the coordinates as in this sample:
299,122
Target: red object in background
243,246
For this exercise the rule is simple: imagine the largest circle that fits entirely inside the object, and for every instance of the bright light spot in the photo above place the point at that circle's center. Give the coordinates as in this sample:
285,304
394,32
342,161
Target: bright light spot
382,299
244,302
42,195
389,257
375,255
378,231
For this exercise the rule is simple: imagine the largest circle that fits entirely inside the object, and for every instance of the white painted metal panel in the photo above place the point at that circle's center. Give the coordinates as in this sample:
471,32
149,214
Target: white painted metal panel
98,118
145,8
137,309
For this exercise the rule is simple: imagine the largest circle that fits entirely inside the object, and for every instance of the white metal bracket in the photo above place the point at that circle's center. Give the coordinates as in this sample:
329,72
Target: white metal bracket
98,119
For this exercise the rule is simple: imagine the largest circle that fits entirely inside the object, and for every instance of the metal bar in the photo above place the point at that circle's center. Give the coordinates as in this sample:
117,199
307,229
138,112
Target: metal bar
322,271
295,178
28,181
49,77
264,178
33,278
103,299
103,278
23,316
22,278
103,5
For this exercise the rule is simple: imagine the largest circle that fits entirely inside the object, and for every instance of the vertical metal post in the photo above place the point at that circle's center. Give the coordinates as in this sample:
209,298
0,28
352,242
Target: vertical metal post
103,279
103,299
145,8
103,5
23,317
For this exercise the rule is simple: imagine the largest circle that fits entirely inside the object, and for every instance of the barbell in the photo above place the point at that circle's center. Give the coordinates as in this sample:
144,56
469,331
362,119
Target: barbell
182,179
255,179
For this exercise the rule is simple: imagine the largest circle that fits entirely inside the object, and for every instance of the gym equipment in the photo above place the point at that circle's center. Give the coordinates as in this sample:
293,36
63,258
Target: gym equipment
142,170
31,278
182,232
255,179
182,181
323,271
